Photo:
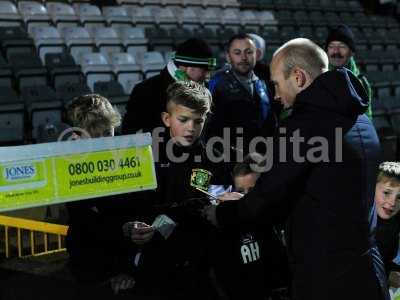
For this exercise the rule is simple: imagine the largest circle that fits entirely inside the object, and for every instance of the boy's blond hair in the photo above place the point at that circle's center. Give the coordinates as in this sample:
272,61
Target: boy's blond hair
92,113
190,94
389,171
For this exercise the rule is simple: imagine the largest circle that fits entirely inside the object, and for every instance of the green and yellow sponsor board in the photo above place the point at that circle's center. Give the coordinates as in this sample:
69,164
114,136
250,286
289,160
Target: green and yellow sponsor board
44,174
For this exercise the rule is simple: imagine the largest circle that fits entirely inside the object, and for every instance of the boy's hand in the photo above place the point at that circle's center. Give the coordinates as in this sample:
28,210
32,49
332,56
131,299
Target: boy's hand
230,196
138,232
122,282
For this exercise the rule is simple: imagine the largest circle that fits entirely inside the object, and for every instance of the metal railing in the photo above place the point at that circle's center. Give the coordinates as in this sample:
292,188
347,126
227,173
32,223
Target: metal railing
32,226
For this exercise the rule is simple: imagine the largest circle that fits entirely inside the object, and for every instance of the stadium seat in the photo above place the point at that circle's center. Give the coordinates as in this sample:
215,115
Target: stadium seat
165,18
6,74
152,63
302,18
180,35
67,92
117,16
249,20
380,83
89,15
28,70
273,37
210,36
142,16
349,19
47,40
9,15
107,40
285,18
209,18
231,19
192,3
62,69
33,13
307,32
287,33
51,132
320,35
133,39
159,39
267,4
42,107
187,18
317,19
333,19
267,20
78,41
384,129
126,69
96,68
355,6
15,40
12,125
113,91
62,14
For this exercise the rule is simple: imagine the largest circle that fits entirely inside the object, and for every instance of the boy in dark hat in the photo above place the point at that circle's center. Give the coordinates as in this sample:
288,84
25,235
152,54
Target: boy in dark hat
340,47
193,60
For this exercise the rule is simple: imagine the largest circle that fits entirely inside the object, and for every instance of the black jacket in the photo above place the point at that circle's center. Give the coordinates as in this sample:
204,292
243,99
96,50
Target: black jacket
387,239
146,103
95,241
178,266
234,106
326,201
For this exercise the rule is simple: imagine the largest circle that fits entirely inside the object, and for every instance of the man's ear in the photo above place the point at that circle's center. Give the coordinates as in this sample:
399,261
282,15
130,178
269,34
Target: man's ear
227,57
258,54
301,78
165,117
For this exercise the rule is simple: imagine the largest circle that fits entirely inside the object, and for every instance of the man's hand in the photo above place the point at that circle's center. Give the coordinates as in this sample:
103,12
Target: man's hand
210,213
138,232
230,196
394,279
122,282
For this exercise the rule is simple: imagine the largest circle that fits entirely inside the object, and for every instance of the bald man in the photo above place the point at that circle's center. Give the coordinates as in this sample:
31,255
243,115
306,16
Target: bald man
320,179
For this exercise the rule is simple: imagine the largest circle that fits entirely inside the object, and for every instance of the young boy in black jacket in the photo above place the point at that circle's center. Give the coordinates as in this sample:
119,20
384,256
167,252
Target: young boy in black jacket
94,238
250,263
170,256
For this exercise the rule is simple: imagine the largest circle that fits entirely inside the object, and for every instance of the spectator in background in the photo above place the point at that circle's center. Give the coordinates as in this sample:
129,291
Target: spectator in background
193,60
340,47
327,201
241,98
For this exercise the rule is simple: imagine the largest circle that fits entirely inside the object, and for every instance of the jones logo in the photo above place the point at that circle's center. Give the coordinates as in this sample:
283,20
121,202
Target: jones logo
19,172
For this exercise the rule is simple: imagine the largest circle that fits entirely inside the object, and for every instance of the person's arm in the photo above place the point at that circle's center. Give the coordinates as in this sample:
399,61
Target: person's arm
270,200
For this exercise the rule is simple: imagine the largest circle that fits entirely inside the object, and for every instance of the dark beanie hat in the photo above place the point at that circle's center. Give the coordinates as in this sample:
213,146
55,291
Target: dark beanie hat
195,53
343,34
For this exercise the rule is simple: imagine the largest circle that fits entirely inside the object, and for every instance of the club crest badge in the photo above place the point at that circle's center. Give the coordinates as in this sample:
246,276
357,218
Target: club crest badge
200,179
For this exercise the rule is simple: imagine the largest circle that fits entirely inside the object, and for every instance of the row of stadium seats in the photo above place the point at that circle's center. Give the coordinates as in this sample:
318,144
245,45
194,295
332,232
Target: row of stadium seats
62,14
36,114
386,119
309,5
25,70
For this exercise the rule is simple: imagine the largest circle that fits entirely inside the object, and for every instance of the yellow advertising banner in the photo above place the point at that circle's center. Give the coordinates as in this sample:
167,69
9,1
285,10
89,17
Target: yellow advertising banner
44,174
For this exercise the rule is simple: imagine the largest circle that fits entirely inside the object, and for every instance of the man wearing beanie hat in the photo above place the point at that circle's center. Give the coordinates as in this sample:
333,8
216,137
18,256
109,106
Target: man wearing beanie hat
340,47
193,60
